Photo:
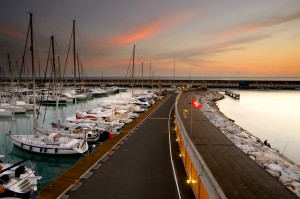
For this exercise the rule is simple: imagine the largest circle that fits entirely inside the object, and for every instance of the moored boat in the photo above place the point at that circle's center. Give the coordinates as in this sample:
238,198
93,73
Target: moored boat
16,180
53,143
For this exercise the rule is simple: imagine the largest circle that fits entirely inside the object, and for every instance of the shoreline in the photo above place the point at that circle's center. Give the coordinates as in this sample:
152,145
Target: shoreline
278,165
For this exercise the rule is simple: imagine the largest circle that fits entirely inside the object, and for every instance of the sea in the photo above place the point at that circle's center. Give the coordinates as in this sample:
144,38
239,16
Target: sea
49,166
272,115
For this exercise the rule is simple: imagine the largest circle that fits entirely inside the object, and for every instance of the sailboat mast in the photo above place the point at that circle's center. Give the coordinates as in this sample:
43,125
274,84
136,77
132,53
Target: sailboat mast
78,66
150,76
33,72
142,78
74,57
133,69
54,75
53,62
174,70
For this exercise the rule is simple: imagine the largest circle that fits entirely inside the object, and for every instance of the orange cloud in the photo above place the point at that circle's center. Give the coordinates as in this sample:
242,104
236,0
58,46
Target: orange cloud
142,32
12,33
147,30
239,31
259,25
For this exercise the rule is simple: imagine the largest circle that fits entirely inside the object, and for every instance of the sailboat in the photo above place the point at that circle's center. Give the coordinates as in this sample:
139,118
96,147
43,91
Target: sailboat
53,143
16,180
73,93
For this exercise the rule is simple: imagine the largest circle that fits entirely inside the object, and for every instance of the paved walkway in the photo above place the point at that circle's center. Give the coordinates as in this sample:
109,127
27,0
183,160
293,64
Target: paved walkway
237,174
141,166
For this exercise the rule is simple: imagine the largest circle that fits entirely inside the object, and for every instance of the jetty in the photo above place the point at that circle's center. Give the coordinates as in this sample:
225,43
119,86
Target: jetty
232,94
137,163
134,164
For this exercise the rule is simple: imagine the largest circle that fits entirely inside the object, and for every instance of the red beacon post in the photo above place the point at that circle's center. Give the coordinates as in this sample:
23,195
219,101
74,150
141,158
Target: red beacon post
196,103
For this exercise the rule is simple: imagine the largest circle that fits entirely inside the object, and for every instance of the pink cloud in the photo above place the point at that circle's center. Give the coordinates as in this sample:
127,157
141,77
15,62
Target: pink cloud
147,30
11,33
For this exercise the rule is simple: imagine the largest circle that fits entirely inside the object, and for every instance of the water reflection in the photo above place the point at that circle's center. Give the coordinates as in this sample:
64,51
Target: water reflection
269,115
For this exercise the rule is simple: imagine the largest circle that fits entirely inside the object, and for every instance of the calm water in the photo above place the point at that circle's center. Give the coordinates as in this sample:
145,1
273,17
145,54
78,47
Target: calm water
269,115
47,166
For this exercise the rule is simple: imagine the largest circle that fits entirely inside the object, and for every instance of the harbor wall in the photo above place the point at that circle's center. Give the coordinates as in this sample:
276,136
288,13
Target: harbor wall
243,84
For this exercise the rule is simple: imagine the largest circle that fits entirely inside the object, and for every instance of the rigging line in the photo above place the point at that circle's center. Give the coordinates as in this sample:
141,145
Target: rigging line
37,41
23,61
84,47
67,55
128,67
170,148
52,71
46,71
83,71
24,54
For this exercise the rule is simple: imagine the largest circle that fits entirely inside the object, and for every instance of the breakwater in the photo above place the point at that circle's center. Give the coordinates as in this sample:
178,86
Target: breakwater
275,83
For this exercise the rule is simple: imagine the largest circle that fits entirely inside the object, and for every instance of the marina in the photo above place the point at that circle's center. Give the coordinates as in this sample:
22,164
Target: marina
95,108
66,169
47,167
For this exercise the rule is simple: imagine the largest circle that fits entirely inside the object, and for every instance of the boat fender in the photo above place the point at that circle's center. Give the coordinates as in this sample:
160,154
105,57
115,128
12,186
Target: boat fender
2,189
4,178
30,148
22,145
20,170
41,149
45,150
56,150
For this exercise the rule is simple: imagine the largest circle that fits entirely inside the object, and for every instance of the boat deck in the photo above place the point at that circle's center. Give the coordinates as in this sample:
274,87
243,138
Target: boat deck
134,164
237,174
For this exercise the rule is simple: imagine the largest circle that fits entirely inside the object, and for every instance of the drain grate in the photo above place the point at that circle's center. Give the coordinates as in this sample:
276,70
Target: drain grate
116,147
87,175
97,166
111,153
65,197
76,186
104,159
159,118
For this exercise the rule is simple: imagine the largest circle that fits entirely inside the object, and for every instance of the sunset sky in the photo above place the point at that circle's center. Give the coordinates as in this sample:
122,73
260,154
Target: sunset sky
207,38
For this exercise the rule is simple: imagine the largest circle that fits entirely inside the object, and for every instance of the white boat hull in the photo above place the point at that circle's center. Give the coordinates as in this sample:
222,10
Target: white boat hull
5,113
54,149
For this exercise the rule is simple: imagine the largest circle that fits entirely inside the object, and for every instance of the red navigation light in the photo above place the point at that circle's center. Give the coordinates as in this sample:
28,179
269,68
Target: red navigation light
196,103
111,136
